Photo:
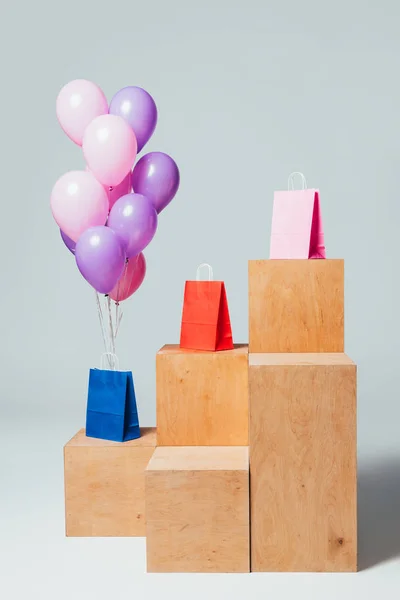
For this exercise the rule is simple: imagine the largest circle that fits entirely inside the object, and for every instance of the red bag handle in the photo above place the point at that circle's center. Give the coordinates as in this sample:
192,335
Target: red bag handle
210,271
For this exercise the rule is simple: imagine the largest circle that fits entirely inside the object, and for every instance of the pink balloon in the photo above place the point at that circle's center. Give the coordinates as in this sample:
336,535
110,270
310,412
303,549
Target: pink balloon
114,193
131,279
109,146
119,190
78,201
78,103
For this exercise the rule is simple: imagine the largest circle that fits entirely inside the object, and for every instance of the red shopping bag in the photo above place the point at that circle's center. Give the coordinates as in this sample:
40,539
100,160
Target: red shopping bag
296,230
206,323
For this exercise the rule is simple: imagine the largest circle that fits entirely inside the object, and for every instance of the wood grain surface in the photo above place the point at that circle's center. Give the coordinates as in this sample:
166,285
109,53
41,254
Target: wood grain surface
303,463
105,485
296,306
197,510
202,397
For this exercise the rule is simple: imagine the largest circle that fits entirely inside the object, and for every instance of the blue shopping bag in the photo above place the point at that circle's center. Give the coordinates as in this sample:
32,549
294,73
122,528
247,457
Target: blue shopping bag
111,406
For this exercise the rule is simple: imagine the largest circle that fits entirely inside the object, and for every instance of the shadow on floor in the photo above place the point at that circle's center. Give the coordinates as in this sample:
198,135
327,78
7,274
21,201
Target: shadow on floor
378,512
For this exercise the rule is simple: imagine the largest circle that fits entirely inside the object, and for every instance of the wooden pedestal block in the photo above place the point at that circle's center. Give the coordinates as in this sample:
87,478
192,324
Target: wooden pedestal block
296,306
202,397
197,510
104,485
303,462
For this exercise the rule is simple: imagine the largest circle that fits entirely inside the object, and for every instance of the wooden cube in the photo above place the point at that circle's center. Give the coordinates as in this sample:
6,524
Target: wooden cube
197,510
202,397
104,485
303,462
296,306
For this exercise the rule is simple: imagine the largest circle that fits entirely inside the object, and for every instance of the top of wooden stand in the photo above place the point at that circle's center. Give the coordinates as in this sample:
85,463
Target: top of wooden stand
294,358
176,349
147,438
199,458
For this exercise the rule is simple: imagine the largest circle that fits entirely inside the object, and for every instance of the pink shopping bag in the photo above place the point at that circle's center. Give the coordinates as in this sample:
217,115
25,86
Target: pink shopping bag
296,230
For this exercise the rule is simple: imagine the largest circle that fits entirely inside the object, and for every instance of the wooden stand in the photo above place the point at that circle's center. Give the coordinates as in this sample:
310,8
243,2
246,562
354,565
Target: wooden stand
299,389
202,397
104,485
197,510
296,306
303,462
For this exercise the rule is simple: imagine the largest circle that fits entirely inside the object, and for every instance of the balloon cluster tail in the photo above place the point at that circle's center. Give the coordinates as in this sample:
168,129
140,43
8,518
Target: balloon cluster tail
101,319
111,326
123,280
108,329
118,317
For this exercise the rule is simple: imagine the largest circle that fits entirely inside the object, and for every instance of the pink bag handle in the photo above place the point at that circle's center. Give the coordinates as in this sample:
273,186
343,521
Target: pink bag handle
290,181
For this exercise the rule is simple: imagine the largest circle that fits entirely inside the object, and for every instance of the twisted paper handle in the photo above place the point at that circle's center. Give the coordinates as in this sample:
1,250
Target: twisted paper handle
210,271
112,359
290,183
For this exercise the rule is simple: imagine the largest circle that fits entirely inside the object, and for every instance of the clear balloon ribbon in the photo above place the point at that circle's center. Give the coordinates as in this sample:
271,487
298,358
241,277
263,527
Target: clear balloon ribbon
109,327
118,311
101,321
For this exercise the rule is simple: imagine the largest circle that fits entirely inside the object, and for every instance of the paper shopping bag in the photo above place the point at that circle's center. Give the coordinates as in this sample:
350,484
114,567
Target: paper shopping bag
296,230
111,406
206,323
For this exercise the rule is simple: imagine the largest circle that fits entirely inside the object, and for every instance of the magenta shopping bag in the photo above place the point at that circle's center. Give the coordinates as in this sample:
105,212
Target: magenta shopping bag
296,230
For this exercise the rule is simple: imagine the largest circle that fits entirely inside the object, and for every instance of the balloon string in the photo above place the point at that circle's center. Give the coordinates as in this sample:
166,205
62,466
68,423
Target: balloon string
110,323
100,314
118,323
102,327
118,310
109,197
117,304
109,333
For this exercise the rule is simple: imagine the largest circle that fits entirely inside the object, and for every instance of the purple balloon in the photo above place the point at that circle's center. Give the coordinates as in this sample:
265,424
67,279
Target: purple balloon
138,108
134,219
68,242
156,176
100,257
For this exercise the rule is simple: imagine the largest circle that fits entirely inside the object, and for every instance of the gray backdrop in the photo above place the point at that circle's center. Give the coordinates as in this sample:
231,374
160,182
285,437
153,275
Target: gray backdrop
247,92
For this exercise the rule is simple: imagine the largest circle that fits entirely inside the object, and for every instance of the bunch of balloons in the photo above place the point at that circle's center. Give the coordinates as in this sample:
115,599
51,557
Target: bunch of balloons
108,213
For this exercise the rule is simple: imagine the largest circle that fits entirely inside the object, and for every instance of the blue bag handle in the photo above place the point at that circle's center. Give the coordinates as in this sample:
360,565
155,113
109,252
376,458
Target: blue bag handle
113,361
